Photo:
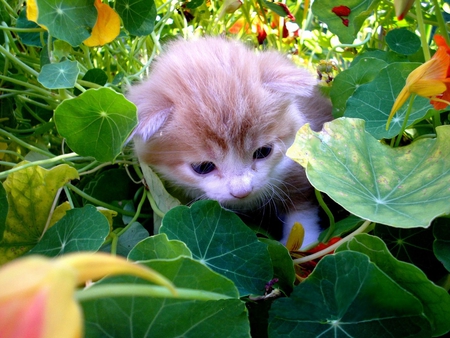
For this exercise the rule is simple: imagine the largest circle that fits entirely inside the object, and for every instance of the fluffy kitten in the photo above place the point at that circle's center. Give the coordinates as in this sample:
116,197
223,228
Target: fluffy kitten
215,121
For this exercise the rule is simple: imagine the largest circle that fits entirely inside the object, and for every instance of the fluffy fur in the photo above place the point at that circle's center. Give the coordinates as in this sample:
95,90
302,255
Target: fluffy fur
216,100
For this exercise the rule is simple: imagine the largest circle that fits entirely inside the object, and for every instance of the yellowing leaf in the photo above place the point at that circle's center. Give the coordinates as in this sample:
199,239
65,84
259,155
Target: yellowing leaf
59,213
109,214
296,236
30,193
107,26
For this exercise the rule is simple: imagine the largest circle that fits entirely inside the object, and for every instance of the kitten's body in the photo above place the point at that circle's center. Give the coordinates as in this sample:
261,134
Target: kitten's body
216,101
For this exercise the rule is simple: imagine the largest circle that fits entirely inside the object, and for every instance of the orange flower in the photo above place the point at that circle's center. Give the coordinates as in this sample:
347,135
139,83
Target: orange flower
428,80
37,294
106,28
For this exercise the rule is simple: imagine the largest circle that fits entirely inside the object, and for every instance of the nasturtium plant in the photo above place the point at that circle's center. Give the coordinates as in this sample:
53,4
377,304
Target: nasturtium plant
72,187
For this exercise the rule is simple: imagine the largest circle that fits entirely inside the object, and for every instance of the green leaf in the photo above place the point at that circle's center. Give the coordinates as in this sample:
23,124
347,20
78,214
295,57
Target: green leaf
83,229
97,123
158,247
360,11
342,227
274,8
159,317
435,300
30,194
346,82
373,101
127,241
441,245
403,41
191,4
348,296
30,39
219,239
67,20
138,16
404,187
59,75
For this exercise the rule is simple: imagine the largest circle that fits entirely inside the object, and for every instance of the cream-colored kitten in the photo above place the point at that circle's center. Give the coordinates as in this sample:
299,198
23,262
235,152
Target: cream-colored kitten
215,121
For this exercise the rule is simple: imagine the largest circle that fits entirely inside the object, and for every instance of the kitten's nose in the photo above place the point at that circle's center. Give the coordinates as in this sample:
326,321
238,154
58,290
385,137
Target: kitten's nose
241,193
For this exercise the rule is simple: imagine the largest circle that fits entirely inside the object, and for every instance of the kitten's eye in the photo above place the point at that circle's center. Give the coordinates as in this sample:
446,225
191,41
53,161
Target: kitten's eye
262,152
203,168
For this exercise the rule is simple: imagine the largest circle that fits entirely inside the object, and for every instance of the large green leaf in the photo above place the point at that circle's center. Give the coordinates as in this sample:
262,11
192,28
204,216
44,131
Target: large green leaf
348,296
373,101
59,75
360,11
346,82
403,187
166,318
97,123
67,20
30,194
138,16
435,300
83,229
220,240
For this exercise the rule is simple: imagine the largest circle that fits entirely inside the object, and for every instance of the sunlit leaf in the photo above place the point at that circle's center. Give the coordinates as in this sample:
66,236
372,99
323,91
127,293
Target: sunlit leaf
360,11
30,194
435,300
159,247
138,16
83,229
64,20
59,75
373,101
220,240
97,123
106,28
345,296
404,187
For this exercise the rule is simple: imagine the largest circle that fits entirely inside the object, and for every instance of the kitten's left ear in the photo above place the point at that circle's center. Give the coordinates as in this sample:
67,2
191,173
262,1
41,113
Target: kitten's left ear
281,75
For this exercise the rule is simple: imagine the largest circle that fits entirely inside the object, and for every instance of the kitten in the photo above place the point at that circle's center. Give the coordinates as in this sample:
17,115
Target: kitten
215,121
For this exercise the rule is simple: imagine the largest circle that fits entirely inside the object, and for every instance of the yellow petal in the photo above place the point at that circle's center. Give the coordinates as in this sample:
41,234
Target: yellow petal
401,99
428,88
32,12
296,236
106,28
94,266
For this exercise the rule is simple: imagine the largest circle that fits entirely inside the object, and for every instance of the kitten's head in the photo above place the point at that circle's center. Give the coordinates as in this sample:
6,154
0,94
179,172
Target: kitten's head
215,119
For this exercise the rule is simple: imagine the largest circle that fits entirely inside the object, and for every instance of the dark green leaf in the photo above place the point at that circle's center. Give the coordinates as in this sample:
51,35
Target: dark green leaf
219,239
33,38
348,296
132,236
441,245
3,210
138,16
435,300
97,123
82,229
194,3
403,41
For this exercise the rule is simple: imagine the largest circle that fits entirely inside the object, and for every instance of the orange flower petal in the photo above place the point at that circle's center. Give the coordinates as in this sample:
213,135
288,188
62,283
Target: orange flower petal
106,28
428,88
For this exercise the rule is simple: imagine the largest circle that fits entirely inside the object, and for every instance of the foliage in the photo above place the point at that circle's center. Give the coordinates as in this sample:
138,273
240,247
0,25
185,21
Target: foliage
71,182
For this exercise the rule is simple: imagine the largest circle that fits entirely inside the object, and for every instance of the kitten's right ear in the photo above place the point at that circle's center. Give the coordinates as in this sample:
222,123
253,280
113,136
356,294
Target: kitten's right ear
153,110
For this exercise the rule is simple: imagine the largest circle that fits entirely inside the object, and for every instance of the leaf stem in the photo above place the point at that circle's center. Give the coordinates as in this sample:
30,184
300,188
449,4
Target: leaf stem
133,290
441,22
421,27
324,206
331,248
405,121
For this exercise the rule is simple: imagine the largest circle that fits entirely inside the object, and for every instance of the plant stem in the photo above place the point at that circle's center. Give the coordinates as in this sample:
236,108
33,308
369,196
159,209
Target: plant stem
329,214
331,248
422,30
405,121
133,290
441,23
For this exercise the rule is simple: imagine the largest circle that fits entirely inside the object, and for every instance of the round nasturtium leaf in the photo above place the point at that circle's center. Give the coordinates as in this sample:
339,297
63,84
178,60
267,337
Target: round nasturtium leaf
405,187
138,16
97,123
403,41
59,75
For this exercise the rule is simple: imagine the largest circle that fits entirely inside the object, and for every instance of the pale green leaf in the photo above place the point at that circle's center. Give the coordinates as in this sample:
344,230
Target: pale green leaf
404,187
158,247
59,75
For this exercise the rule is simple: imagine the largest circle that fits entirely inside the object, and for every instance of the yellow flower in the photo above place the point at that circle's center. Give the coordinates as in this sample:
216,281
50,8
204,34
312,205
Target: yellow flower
37,293
296,236
428,80
106,28
32,12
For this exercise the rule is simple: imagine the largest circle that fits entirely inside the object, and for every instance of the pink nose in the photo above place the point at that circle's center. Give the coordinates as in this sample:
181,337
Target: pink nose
241,193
